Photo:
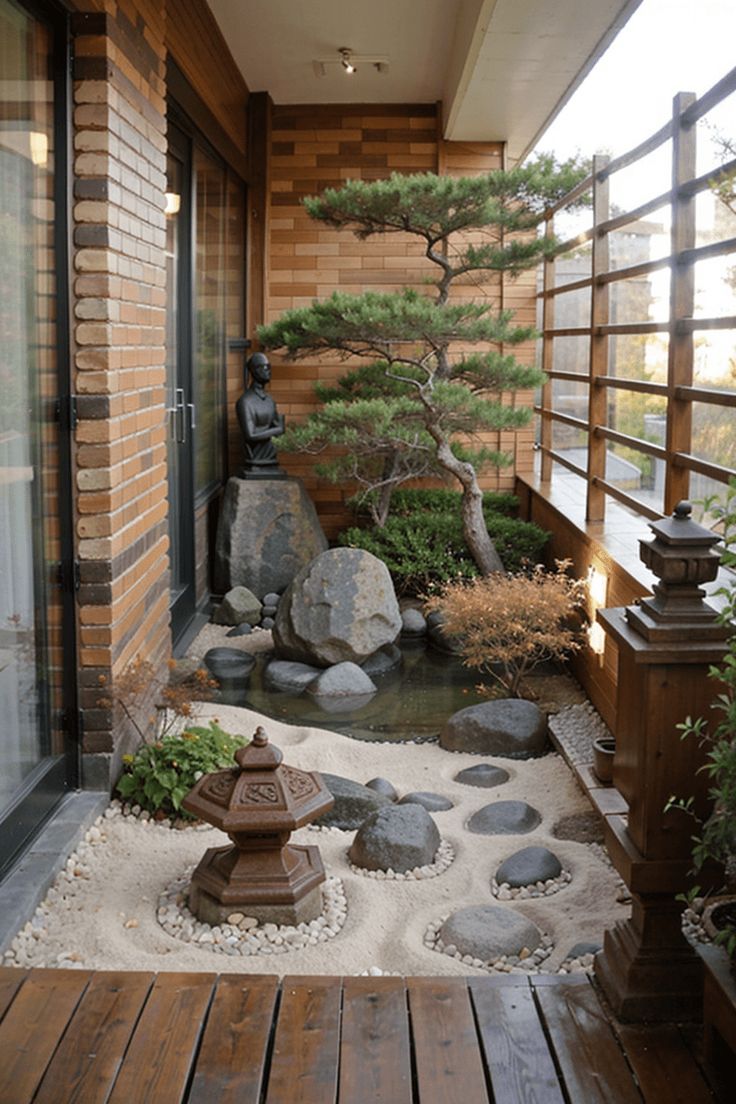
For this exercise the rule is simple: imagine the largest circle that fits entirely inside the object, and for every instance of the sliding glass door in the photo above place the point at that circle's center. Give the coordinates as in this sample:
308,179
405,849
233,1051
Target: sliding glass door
35,618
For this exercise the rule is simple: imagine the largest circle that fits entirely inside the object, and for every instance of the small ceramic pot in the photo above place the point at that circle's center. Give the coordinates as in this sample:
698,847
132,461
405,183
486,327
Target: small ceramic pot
604,749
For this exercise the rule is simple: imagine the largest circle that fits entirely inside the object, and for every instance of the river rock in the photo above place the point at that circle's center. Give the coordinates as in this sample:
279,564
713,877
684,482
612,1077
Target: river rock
504,818
268,529
383,662
511,728
340,608
227,664
488,932
530,865
413,622
239,604
485,776
432,802
283,674
384,787
343,680
397,837
353,803
241,630
271,599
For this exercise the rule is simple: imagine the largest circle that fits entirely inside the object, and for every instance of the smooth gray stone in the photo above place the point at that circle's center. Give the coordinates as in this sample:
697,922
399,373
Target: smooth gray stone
432,802
268,611
386,659
413,622
267,623
489,931
340,608
284,674
530,865
581,949
504,818
484,776
271,599
397,837
238,605
342,681
353,803
510,728
227,664
383,786
268,529
241,630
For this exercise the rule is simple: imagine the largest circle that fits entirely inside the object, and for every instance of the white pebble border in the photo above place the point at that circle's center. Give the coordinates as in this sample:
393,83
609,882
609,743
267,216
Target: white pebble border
581,965
243,935
576,728
526,962
505,892
444,858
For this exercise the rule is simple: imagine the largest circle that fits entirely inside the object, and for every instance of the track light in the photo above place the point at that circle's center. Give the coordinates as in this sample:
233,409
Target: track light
345,56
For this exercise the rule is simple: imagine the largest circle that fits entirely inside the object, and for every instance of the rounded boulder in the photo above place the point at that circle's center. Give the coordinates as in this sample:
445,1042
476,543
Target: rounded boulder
510,728
397,837
489,931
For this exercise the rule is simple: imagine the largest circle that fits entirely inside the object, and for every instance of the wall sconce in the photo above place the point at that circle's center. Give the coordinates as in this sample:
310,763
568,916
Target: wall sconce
173,203
39,145
598,590
597,640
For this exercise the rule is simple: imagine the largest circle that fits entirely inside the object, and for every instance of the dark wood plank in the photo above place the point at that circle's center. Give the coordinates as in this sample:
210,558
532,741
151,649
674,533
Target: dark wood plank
32,1028
515,1046
593,1068
375,1052
449,1067
10,982
664,1067
232,1057
304,1066
157,1064
88,1058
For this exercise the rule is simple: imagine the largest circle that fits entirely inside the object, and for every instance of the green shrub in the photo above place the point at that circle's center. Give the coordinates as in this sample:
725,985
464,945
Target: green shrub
439,500
160,775
424,549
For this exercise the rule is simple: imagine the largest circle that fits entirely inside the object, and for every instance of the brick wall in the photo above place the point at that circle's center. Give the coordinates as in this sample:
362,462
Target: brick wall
314,147
118,342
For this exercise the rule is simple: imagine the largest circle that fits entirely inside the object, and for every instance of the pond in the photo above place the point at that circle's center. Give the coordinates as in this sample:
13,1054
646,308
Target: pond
412,702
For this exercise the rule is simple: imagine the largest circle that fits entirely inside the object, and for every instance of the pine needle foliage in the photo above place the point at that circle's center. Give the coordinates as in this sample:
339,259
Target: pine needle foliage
422,405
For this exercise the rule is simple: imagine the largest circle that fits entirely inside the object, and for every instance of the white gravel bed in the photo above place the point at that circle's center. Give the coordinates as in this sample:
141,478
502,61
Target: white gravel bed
575,728
505,892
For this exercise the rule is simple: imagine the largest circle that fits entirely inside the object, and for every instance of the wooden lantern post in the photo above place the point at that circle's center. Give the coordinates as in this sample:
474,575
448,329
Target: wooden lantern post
666,646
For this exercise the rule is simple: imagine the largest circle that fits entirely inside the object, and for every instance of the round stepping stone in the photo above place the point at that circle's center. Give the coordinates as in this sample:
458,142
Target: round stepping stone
397,837
285,674
581,827
485,776
530,865
511,728
228,664
504,818
383,786
353,803
241,630
489,931
432,802
383,661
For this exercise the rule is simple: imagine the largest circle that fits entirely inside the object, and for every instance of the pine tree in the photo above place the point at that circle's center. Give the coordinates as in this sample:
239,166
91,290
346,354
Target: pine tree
407,414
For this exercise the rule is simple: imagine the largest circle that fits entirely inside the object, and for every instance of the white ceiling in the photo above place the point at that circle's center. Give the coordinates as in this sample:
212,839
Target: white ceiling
502,68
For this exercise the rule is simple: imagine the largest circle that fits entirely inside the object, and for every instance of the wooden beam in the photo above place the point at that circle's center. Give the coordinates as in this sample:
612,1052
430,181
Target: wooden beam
258,206
599,316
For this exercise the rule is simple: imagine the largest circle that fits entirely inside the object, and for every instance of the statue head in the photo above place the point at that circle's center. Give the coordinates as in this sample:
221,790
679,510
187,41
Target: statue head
259,367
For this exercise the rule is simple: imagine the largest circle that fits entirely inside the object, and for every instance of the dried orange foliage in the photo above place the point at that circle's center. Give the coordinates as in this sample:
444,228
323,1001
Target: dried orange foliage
505,625
172,697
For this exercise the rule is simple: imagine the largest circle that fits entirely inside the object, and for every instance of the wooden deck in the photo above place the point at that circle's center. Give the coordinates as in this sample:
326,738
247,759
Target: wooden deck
134,1038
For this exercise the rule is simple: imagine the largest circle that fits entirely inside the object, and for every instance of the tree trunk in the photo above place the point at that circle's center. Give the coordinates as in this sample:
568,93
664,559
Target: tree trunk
477,538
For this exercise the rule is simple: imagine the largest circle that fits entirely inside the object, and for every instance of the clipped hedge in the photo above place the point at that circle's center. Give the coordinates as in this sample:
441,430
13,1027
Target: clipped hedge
422,542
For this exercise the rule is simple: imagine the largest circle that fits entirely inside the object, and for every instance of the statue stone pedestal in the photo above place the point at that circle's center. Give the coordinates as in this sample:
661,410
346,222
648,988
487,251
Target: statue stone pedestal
267,531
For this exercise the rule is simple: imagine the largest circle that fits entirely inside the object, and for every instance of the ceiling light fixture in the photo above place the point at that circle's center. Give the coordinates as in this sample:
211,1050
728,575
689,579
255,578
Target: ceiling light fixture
348,62
345,56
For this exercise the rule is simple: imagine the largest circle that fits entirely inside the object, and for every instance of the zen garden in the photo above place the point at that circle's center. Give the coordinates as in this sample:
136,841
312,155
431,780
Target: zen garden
376,758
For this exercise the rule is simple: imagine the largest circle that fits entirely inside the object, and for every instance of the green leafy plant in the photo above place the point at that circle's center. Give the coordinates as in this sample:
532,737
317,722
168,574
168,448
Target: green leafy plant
716,836
505,625
160,775
423,544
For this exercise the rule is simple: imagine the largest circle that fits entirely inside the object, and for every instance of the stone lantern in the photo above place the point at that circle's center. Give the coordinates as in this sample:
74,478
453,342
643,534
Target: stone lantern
259,803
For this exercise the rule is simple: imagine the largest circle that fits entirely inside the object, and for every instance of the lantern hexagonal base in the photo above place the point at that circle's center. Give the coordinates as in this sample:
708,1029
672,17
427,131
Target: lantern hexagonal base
276,886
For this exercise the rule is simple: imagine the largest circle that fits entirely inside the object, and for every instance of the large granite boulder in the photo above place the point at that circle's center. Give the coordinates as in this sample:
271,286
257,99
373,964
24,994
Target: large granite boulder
268,529
488,932
511,728
340,608
354,803
398,838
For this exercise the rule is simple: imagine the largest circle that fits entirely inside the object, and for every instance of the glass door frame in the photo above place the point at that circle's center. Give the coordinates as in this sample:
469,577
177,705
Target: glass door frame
54,775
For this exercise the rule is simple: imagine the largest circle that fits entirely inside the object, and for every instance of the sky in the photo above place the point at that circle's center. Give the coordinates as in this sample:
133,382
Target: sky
667,46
